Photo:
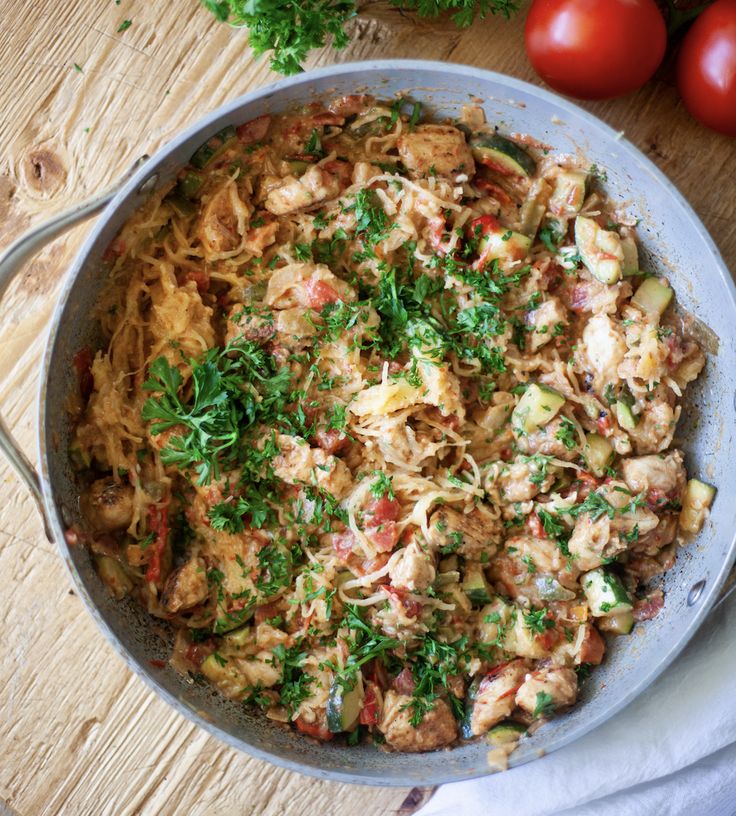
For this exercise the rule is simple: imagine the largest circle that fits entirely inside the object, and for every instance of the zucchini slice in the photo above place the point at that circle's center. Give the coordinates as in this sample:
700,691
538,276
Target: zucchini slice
475,585
505,245
502,155
204,154
344,705
619,624
505,733
652,296
568,195
695,504
598,452
214,668
239,637
630,265
599,249
625,416
605,593
537,406
471,695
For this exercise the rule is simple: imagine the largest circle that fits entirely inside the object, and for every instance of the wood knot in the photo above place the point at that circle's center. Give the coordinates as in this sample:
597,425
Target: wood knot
43,171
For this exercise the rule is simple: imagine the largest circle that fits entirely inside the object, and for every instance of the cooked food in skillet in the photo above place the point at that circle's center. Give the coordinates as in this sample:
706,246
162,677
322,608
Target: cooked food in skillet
383,424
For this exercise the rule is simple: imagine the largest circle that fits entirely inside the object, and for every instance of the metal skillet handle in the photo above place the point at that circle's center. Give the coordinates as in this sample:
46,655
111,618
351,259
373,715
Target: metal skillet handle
11,263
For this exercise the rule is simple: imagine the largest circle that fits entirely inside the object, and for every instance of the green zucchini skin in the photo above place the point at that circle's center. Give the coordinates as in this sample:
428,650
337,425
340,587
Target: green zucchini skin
501,153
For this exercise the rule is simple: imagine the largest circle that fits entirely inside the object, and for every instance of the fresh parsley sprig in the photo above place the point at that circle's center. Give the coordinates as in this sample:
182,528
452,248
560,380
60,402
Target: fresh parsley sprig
290,30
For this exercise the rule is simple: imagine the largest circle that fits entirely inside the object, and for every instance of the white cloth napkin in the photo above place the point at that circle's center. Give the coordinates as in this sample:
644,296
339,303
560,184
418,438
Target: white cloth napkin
672,752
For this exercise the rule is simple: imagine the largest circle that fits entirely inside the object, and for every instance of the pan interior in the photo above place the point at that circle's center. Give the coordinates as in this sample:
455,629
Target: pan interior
673,244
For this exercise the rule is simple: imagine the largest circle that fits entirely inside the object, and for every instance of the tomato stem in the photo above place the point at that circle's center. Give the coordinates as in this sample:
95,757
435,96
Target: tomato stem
678,18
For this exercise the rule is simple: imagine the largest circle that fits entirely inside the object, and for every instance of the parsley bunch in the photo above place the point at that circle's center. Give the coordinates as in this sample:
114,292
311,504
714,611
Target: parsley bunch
231,390
290,29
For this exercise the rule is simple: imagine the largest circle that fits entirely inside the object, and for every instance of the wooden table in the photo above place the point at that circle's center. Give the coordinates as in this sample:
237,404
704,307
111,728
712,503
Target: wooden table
78,733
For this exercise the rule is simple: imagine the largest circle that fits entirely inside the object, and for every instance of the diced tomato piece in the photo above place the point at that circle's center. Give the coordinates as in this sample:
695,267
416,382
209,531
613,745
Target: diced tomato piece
404,682
158,664
158,524
319,293
535,526
255,130
383,536
82,362
318,730
200,277
332,441
548,639
497,167
492,673
604,424
369,711
649,607
497,192
385,509
483,225
398,597
656,498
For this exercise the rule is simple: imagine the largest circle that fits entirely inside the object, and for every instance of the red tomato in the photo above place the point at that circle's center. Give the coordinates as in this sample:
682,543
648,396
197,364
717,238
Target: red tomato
706,70
313,729
319,293
595,49
385,509
332,441
535,526
383,536
158,524
369,711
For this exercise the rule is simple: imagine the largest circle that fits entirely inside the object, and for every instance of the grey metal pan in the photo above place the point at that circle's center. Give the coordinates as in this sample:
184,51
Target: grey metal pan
674,243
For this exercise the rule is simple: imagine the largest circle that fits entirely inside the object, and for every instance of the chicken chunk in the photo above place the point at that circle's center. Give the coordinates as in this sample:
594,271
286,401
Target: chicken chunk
186,587
414,570
494,700
663,474
547,440
436,149
593,542
468,534
312,189
297,463
442,389
516,484
656,427
437,728
108,505
547,690
306,285
604,349
544,321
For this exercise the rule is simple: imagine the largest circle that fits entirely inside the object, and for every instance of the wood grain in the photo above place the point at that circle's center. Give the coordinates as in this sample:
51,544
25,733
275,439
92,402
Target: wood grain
78,733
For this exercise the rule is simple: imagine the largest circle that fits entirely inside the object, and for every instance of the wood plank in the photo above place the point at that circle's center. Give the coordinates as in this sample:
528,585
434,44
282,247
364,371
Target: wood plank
78,733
